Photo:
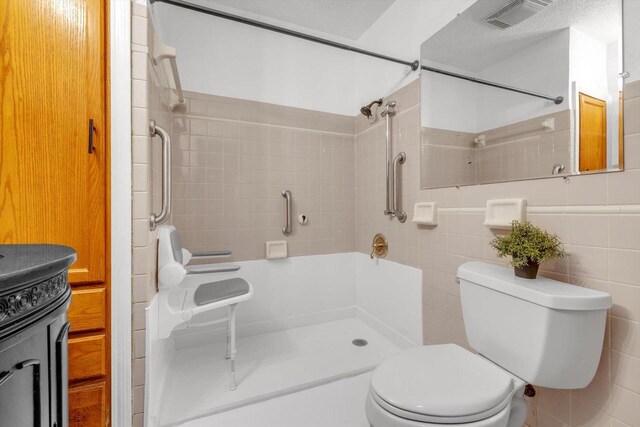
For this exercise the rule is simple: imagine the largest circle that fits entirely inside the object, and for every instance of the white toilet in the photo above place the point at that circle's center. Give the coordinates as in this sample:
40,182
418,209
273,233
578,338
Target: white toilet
540,332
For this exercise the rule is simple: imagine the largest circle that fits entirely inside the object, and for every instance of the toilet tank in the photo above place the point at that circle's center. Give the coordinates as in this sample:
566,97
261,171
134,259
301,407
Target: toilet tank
546,332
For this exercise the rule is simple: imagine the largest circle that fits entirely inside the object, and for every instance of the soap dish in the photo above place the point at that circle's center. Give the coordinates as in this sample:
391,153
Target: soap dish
276,249
501,213
425,213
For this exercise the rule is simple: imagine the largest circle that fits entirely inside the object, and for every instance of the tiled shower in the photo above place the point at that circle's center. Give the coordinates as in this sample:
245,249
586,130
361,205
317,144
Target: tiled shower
233,157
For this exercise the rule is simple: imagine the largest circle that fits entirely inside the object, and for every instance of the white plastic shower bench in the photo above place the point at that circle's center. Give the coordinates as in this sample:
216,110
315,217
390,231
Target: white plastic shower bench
185,291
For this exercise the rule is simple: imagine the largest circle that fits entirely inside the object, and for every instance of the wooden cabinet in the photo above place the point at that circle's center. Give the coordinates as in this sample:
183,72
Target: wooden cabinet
54,157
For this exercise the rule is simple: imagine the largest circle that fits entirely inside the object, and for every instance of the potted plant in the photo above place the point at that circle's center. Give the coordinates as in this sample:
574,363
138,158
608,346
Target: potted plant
528,247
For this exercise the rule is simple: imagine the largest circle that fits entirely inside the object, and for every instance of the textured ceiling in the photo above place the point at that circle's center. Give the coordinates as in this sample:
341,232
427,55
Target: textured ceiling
471,44
343,18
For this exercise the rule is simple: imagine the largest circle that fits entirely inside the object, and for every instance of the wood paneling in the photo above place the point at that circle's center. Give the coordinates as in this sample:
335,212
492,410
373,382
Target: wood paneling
87,357
52,82
88,309
88,405
593,133
52,190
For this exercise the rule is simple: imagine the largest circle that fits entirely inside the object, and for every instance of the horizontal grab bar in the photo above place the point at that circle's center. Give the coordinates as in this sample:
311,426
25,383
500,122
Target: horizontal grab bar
210,254
206,269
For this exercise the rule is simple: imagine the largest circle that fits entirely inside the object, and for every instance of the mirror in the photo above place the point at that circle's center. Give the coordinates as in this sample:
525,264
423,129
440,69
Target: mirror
523,89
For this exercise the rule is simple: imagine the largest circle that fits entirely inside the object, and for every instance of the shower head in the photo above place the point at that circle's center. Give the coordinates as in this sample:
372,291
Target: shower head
366,110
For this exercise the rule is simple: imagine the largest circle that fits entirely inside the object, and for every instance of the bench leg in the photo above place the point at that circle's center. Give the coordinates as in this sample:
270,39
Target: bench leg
232,345
228,355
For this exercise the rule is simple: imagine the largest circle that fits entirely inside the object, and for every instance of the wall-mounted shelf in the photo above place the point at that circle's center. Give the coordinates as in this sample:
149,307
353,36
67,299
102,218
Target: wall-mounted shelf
425,213
502,212
276,249
546,125
162,51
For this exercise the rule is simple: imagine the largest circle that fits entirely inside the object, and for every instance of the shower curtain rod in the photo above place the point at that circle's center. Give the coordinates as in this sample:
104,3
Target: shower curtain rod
556,100
197,8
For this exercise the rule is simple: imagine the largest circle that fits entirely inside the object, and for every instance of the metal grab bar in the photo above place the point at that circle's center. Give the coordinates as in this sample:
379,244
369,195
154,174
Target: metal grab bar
400,214
389,112
210,254
155,220
206,269
286,230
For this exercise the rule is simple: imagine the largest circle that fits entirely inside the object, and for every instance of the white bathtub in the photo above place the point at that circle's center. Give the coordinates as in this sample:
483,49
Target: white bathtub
297,292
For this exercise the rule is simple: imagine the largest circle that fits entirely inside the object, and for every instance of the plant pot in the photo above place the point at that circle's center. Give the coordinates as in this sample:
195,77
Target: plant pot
528,272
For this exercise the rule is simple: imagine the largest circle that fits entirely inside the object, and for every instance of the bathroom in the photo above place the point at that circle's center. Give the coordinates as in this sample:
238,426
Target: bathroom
341,166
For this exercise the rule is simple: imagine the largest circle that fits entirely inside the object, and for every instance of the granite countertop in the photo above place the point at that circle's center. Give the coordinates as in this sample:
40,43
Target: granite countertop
22,264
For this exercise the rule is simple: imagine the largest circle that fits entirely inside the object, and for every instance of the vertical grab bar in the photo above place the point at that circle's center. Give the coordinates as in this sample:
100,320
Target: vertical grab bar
400,214
155,220
393,208
286,230
389,112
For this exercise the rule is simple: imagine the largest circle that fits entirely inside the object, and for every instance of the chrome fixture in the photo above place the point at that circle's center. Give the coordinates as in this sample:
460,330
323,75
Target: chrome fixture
155,220
281,30
366,110
400,214
392,208
286,230
379,246
557,168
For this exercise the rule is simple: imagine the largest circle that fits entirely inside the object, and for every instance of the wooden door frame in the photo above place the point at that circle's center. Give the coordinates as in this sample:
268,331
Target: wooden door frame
119,196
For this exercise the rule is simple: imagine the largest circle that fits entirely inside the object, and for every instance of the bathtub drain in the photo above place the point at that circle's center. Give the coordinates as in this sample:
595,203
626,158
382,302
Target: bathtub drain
359,342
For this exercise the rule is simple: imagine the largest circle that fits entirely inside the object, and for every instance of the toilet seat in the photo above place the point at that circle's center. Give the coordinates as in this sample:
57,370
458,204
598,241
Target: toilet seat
441,384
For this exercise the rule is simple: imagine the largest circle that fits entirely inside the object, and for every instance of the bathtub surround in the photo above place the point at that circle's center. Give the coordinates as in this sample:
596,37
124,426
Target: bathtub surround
296,332
231,161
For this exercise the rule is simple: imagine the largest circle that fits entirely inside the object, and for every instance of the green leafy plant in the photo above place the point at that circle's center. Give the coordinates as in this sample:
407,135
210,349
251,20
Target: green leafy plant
527,243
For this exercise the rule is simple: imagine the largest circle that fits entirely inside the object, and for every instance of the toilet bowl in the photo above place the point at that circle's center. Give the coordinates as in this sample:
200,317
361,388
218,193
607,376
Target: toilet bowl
540,332
443,385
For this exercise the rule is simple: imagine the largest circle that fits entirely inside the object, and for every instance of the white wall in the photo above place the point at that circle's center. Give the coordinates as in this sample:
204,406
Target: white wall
632,39
225,58
588,64
614,83
230,59
399,32
543,67
450,103
456,104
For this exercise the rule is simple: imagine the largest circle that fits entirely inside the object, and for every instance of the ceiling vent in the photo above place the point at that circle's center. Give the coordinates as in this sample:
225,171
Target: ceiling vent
515,12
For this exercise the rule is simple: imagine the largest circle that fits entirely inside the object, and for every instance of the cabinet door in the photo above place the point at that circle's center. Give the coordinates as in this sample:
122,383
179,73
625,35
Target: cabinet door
24,382
52,83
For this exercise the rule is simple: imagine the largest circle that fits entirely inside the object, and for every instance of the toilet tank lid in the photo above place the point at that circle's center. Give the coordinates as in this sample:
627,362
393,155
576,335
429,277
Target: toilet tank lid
542,291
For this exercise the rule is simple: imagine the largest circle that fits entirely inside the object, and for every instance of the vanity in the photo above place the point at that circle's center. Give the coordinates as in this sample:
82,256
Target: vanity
34,298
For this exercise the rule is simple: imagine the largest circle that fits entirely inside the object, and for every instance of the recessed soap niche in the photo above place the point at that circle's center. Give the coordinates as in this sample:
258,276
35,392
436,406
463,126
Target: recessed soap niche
276,249
501,213
425,213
